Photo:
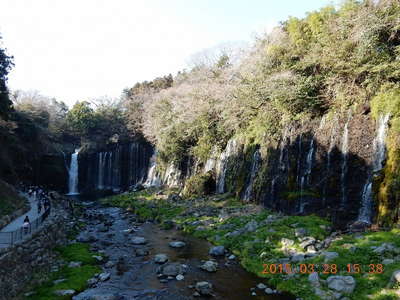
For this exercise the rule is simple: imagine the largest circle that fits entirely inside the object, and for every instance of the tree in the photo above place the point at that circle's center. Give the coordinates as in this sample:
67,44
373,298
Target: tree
6,63
81,118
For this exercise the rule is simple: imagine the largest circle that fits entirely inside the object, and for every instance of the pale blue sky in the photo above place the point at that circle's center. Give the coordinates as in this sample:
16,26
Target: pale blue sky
80,49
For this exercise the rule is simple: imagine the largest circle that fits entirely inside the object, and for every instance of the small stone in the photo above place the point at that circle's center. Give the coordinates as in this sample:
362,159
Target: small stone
204,288
313,278
387,261
210,266
251,226
139,240
269,291
58,281
98,258
196,294
109,264
177,244
341,284
161,258
329,256
217,251
231,257
141,252
253,294
180,277
299,257
74,264
163,280
92,282
287,242
64,292
104,276
261,286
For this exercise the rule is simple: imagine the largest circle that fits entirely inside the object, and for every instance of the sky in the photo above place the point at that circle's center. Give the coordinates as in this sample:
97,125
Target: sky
82,49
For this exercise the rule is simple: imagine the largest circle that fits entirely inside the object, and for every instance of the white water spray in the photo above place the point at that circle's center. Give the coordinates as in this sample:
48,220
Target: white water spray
73,174
379,148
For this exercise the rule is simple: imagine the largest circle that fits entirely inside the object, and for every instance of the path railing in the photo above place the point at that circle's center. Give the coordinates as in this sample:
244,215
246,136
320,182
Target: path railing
19,234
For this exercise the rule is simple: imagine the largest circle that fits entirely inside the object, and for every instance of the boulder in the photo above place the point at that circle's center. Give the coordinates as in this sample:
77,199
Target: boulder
217,251
341,284
204,288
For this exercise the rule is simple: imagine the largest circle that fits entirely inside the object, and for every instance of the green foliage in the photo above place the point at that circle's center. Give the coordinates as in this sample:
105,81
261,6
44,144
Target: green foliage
6,63
76,278
199,185
387,101
81,118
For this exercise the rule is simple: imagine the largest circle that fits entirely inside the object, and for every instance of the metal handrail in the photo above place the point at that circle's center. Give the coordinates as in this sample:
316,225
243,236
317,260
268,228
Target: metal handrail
11,237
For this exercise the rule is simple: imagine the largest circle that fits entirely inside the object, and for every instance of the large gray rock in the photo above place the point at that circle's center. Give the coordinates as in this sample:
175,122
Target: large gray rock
138,240
204,288
341,284
307,241
177,244
210,266
161,258
217,251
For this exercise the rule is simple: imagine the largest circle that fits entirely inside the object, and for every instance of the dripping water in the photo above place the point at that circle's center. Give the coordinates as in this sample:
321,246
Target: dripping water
344,168
379,148
254,169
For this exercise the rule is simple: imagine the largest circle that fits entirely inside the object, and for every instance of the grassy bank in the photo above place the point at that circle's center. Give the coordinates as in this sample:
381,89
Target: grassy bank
74,278
256,236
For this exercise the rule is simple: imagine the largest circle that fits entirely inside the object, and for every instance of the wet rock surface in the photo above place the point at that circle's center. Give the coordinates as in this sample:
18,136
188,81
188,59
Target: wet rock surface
145,263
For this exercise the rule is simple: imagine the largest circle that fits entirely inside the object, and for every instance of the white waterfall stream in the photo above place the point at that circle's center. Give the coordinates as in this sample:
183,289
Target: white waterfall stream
254,169
379,148
73,174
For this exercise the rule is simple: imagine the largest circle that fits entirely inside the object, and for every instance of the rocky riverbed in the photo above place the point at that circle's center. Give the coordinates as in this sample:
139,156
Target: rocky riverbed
141,261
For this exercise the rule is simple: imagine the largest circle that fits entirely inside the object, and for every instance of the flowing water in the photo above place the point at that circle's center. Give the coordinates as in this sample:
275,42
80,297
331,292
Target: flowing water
135,276
379,148
73,174
253,173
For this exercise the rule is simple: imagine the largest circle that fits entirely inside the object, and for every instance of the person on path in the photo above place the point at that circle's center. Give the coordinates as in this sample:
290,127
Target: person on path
39,206
26,225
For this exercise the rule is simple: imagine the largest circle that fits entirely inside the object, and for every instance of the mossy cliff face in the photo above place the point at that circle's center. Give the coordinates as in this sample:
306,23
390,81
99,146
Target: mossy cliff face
317,166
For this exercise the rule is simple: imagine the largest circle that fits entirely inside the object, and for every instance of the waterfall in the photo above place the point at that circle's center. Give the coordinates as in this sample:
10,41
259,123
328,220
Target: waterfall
222,165
152,176
73,174
343,174
100,179
379,148
254,169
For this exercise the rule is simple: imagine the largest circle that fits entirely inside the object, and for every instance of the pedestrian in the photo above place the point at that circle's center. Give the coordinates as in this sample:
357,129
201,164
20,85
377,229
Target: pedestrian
26,225
39,206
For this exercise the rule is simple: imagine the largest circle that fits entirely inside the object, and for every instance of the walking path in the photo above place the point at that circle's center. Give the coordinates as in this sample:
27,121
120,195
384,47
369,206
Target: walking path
17,223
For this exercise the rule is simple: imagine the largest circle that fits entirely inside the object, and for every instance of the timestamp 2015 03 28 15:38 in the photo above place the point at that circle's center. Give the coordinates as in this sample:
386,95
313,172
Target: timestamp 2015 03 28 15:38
322,268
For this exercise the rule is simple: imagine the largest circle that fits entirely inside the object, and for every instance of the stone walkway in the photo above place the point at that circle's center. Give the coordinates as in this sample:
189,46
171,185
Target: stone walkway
18,222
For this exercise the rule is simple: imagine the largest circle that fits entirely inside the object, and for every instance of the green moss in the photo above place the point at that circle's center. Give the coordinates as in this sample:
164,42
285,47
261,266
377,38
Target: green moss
75,278
199,185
